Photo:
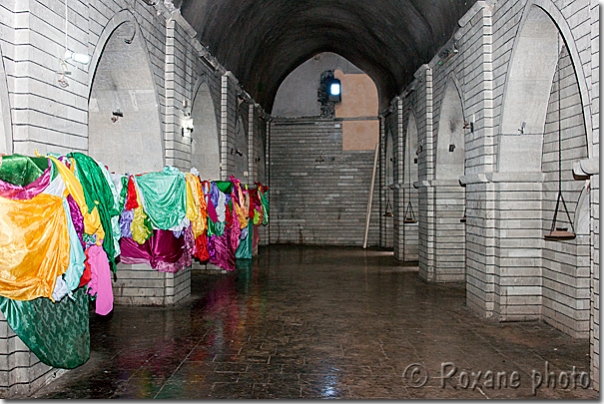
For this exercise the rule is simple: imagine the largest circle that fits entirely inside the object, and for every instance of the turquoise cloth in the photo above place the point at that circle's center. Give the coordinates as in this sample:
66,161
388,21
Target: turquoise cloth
246,247
76,254
164,197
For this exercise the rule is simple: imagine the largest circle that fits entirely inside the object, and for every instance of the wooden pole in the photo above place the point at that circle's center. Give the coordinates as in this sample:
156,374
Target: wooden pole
370,202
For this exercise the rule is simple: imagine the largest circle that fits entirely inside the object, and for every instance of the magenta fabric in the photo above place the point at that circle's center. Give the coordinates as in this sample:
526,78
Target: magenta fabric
235,230
182,263
212,211
220,251
162,246
100,280
76,218
11,191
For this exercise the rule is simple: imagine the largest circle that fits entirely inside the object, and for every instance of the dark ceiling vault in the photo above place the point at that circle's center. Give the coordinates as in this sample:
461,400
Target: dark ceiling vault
262,41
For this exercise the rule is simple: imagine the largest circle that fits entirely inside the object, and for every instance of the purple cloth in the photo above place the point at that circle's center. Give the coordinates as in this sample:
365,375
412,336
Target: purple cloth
11,191
183,262
126,219
77,219
162,246
189,241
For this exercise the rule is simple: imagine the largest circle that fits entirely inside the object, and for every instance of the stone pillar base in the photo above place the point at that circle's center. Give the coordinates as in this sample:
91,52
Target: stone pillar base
141,285
21,372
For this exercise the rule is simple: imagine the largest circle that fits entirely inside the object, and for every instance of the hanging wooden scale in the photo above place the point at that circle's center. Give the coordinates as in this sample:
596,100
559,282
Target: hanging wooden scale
409,215
560,233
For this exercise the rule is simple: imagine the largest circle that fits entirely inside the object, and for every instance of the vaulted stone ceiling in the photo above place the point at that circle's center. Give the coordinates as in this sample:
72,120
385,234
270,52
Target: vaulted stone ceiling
262,41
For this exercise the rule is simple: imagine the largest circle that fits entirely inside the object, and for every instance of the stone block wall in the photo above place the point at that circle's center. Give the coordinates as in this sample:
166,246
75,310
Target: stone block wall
319,192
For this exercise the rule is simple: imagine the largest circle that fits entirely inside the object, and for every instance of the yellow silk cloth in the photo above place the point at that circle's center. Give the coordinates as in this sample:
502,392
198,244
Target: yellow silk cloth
92,219
34,246
242,208
140,232
194,202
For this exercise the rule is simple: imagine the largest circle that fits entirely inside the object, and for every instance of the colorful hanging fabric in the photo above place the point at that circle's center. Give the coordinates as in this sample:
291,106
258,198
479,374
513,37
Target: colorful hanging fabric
57,333
34,246
164,197
98,194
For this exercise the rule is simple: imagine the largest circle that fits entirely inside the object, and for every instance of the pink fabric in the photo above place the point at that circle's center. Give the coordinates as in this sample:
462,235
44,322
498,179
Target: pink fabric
100,281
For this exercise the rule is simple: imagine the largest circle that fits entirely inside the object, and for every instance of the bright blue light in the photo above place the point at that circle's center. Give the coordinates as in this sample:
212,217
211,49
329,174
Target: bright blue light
334,89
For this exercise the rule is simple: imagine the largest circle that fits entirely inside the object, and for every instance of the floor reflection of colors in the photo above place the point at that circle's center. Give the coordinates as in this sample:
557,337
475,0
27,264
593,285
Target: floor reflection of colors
312,322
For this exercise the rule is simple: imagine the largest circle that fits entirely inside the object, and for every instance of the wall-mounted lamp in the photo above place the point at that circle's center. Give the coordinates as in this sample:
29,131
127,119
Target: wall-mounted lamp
80,58
468,125
419,149
116,115
236,152
334,90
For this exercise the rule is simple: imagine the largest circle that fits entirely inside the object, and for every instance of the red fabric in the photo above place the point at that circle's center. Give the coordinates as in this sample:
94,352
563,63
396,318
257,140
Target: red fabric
229,216
87,274
131,202
201,243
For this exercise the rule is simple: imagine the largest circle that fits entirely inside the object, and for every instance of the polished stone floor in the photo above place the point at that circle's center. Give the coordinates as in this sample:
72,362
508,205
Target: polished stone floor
303,322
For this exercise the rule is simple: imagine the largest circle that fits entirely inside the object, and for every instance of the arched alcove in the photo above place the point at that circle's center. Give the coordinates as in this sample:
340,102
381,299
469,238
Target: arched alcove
565,262
527,93
450,151
410,214
205,149
124,123
410,168
389,163
240,151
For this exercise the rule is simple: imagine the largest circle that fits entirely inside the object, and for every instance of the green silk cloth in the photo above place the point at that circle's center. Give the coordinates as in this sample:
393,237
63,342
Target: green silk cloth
98,193
264,202
224,186
22,170
58,333
164,197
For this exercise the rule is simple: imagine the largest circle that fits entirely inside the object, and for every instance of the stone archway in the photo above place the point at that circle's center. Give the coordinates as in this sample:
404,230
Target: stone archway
205,151
526,175
124,123
448,201
6,133
410,209
239,152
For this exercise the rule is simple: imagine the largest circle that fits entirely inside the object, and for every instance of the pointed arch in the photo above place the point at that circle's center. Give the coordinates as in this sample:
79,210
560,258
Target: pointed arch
450,142
121,81
205,148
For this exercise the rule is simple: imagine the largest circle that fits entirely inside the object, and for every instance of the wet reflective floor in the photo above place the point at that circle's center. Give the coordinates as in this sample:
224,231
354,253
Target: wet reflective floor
318,322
